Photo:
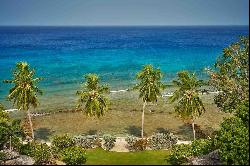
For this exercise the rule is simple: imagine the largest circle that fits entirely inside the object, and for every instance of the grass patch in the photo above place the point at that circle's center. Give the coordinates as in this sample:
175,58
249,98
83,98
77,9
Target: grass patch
99,156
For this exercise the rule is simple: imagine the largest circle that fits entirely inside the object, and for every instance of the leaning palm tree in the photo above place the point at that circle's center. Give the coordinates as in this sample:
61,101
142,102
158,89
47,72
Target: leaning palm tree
92,97
24,93
149,87
189,105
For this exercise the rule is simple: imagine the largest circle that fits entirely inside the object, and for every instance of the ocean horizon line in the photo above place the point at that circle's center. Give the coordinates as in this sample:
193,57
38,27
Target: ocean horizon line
228,25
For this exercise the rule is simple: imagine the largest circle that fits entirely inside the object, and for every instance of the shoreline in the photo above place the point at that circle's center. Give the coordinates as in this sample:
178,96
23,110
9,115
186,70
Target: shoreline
117,97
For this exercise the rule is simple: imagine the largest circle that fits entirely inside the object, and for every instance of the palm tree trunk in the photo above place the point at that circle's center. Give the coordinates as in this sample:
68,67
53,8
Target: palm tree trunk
193,128
31,126
10,144
142,118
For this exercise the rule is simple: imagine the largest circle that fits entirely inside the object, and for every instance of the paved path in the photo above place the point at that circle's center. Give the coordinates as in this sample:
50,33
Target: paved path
120,144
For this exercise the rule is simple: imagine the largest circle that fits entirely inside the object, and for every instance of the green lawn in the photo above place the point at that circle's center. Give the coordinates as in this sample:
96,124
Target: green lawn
99,156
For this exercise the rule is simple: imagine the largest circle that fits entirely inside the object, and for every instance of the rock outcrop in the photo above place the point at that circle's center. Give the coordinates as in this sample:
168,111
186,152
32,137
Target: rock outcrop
210,159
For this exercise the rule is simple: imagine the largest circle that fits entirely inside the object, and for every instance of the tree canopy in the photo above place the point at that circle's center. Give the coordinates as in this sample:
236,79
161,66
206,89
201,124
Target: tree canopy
25,90
93,96
150,84
231,75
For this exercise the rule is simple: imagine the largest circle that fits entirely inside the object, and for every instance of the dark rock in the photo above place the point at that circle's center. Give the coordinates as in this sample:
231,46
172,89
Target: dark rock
210,159
13,158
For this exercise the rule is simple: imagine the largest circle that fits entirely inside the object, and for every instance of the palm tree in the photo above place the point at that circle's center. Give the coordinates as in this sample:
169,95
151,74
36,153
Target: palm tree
24,93
92,96
149,87
1,107
187,95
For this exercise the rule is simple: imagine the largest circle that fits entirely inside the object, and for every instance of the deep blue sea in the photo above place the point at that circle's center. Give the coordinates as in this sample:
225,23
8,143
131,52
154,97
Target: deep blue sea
62,55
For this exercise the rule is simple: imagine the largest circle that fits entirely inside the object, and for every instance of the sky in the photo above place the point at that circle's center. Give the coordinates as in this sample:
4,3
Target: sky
124,12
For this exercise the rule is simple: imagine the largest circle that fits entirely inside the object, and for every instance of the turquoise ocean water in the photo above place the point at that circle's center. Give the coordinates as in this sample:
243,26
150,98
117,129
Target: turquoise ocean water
62,55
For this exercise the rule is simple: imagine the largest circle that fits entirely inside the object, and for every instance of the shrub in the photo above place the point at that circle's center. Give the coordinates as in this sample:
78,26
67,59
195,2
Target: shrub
61,142
162,140
87,142
4,128
130,142
201,147
109,141
8,128
136,144
26,149
2,156
42,154
16,143
233,142
74,155
180,153
140,144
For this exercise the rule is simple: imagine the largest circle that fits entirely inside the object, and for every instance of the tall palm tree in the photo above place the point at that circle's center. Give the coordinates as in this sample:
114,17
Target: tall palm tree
92,96
25,91
149,87
189,105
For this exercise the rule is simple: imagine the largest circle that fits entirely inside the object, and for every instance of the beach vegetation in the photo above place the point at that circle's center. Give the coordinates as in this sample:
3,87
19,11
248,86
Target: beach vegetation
41,153
136,144
231,79
109,141
233,142
92,96
181,153
149,87
189,105
162,141
230,75
10,130
60,142
87,141
73,155
25,91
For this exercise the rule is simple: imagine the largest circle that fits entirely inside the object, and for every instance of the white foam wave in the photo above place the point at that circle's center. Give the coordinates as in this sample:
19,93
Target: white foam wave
116,91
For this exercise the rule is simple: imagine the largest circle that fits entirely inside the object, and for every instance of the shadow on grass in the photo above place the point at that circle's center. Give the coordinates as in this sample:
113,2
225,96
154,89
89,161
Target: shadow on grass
134,130
43,133
92,132
162,130
185,131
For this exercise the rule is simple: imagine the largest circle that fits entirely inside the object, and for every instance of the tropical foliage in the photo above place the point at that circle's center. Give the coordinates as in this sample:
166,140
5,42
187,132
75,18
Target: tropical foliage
182,152
42,154
231,78
150,87
25,91
233,139
109,141
162,140
1,107
87,141
9,129
189,105
231,75
96,103
60,142
74,155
